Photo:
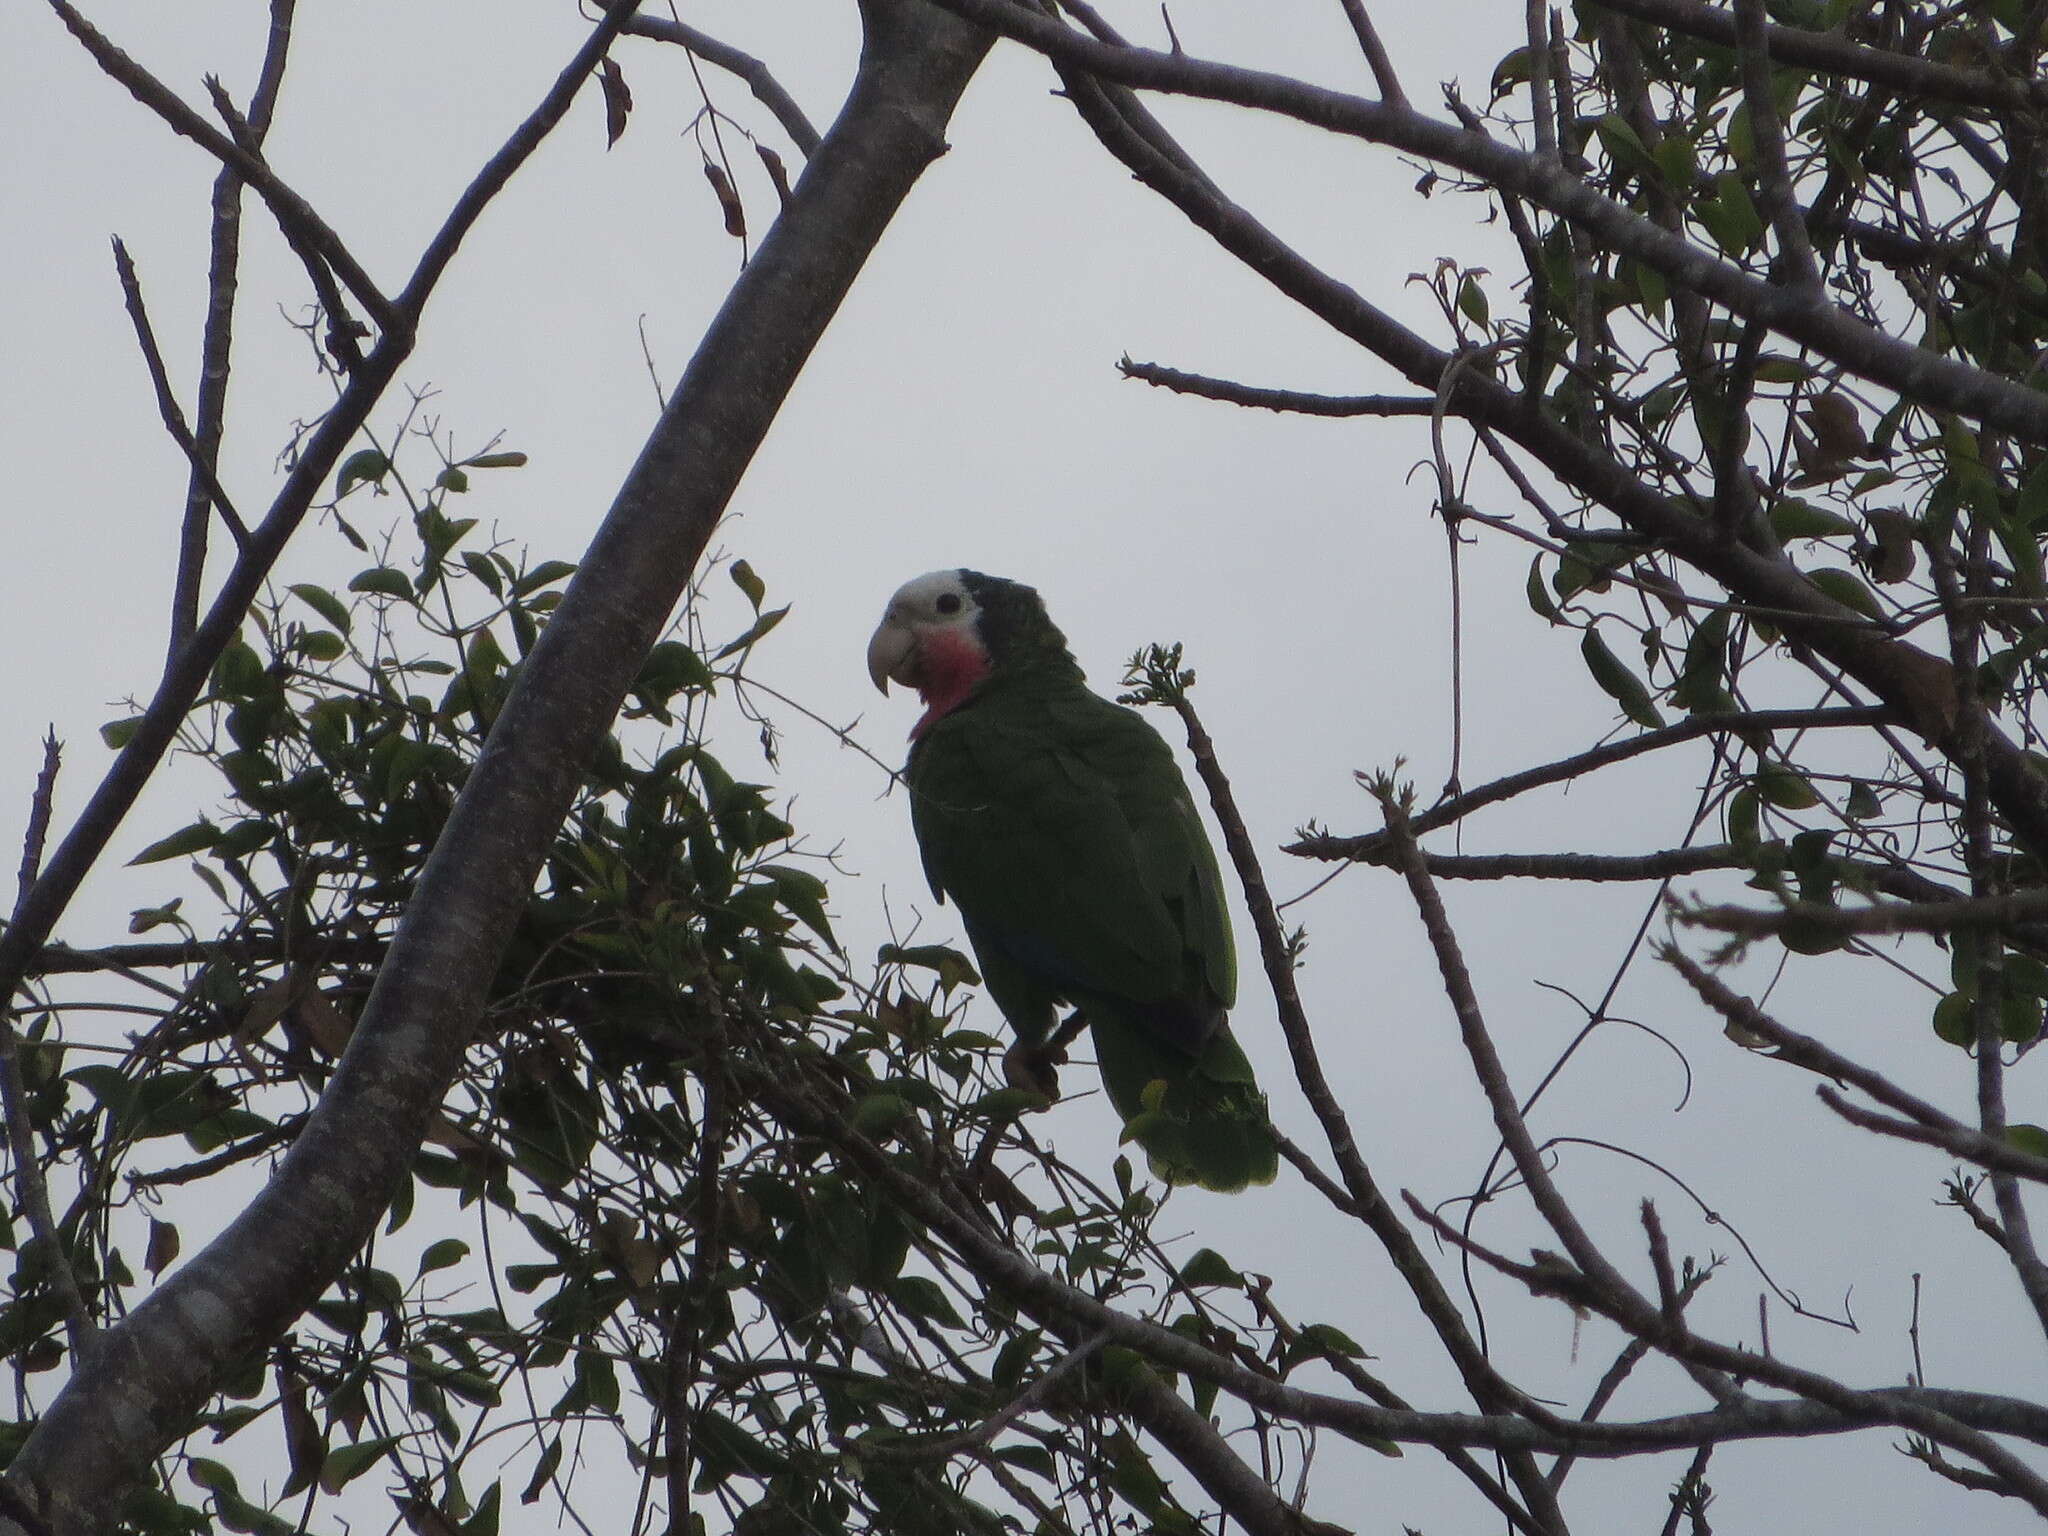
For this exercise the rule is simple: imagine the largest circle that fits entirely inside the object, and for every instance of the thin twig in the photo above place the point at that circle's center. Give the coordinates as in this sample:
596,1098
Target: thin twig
34,1194
1487,1065
216,345
1767,130
1375,51
1298,402
166,402
292,212
1488,1388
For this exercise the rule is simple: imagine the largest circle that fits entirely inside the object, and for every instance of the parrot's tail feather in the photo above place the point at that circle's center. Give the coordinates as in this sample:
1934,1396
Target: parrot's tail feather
1201,1119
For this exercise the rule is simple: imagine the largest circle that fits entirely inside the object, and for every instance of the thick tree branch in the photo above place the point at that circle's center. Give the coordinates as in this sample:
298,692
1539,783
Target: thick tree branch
152,1372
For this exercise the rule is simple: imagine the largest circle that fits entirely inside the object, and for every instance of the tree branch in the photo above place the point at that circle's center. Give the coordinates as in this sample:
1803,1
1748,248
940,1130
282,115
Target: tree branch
1903,366
1296,401
1836,55
766,88
160,1363
167,402
216,345
33,1193
1488,1388
1373,847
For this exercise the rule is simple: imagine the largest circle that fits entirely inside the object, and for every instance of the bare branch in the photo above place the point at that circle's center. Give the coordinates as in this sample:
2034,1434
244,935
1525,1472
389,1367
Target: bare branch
1298,402
167,403
766,88
292,212
1373,847
1965,912
216,346
1375,51
1487,1387
1752,32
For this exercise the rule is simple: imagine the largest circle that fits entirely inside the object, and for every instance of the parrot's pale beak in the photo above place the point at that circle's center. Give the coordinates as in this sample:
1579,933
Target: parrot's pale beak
891,654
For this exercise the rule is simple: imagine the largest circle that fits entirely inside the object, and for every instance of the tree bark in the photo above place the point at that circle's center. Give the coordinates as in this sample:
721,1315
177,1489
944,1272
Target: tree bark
153,1372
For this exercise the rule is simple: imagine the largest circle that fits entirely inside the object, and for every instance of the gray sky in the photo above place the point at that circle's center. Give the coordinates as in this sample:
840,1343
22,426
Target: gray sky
965,409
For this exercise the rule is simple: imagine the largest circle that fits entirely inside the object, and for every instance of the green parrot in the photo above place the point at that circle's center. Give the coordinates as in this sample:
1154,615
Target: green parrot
1059,825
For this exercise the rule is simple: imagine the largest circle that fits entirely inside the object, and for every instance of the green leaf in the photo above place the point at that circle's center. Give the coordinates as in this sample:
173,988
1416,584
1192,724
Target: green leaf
196,838
922,1297
346,1463
1787,790
744,578
876,1115
1208,1267
324,603
546,574
1730,217
1777,368
1515,68
1538,592
322,645
1952,1018
496,461
1862,803
1618,683
543,1471
2030,1139
142,919
1792,518
118,733
1620,141
1847,588
384,580
1744,820
484,570
365,464
1675,159
1472,300
449,1251
451,479
803,893
755,631
953,967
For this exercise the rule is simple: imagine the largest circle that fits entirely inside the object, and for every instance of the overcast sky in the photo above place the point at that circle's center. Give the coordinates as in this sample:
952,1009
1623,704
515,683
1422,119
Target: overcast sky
966,409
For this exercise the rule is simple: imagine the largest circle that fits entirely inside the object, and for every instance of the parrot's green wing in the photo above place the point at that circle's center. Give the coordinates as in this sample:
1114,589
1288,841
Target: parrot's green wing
1060,825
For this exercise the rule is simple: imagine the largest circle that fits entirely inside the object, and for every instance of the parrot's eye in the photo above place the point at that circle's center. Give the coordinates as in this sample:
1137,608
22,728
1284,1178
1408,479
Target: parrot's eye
949,602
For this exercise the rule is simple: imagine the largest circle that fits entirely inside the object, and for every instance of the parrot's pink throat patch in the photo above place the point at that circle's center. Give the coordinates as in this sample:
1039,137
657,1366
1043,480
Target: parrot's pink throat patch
950,664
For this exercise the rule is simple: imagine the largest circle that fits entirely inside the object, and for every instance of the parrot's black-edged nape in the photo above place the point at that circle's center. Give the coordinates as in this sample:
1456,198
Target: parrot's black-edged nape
1015,627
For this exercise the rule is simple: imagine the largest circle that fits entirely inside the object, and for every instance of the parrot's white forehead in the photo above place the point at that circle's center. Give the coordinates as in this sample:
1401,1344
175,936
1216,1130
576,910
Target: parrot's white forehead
921,594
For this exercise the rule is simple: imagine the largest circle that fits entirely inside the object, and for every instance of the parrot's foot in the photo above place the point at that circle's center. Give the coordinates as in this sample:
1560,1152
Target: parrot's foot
1035,1070
1035,1067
